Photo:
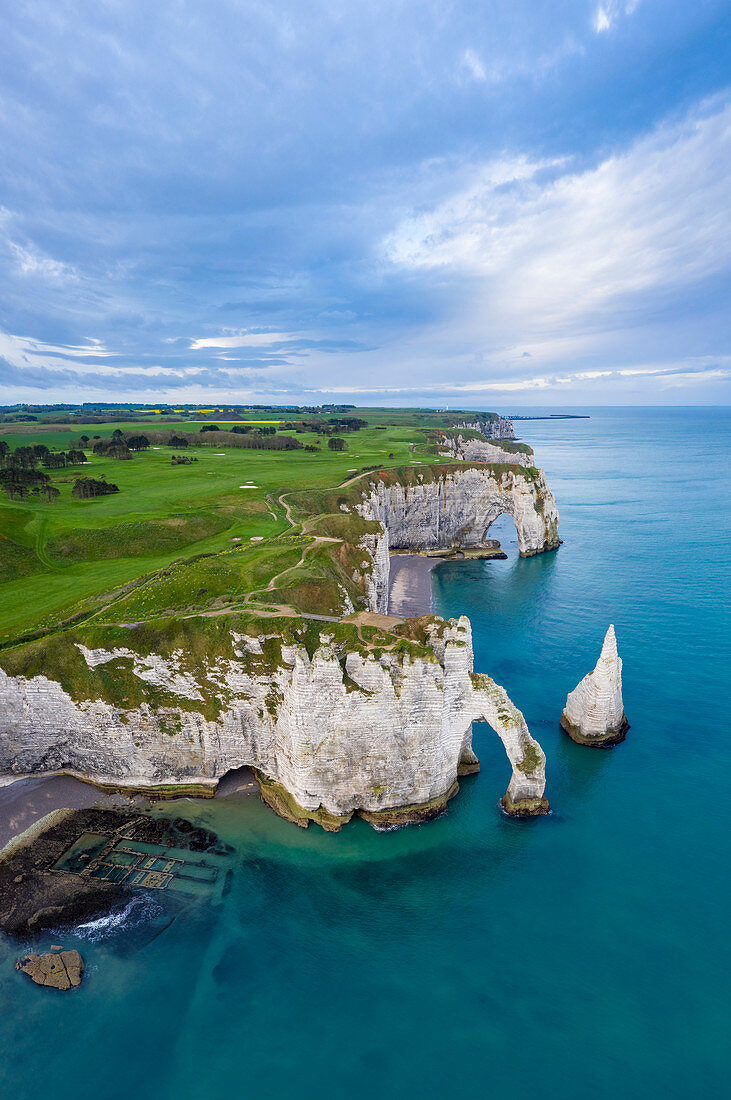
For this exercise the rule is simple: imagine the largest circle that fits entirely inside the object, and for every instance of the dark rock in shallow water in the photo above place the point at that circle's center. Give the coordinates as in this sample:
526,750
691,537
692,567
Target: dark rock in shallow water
76,865
43,898
59,970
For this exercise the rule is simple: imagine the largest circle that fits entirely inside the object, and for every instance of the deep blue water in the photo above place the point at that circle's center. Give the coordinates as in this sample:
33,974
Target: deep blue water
581,954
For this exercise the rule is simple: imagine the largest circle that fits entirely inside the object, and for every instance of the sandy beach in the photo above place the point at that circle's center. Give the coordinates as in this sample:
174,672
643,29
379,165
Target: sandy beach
28,800
409,590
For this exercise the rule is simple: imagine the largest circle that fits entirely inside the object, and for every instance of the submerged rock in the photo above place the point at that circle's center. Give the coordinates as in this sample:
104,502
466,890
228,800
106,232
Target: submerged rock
59,970
594,712
77,865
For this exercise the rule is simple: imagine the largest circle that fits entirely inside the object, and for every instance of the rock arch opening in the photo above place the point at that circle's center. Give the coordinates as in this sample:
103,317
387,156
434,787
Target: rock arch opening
504,531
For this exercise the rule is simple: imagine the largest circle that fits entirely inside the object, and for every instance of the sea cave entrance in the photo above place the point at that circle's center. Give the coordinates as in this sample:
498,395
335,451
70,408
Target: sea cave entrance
237,783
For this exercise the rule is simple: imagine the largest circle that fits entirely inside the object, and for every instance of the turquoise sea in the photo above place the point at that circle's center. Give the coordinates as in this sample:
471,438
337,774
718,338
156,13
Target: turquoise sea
584,954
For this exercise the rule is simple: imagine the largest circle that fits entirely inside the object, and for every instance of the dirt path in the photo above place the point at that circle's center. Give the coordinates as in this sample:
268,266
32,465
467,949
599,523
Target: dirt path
287,509
341,485
357,477
316,541
40,547
250,597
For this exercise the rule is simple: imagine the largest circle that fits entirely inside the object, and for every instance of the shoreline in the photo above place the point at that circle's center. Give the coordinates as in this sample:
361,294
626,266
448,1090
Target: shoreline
410,585
26,801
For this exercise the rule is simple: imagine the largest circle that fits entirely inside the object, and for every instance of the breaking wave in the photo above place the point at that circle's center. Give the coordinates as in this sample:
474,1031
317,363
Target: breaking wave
137,911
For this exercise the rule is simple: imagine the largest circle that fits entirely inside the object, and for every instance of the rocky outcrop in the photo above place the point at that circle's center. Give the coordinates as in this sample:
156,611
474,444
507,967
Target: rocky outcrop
594,712
57,969
454,510
481,450
48,874
340,730
492,427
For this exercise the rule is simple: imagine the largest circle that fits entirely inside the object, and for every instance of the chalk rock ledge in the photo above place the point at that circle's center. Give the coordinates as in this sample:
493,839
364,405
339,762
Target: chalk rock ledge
594,712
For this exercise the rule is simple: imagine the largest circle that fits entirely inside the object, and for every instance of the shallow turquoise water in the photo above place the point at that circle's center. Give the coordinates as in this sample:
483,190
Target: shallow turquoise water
582,954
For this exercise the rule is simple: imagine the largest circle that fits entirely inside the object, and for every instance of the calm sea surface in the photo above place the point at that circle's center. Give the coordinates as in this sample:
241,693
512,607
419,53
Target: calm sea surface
581,954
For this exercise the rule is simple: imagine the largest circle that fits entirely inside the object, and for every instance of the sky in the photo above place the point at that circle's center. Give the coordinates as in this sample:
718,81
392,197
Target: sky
493,204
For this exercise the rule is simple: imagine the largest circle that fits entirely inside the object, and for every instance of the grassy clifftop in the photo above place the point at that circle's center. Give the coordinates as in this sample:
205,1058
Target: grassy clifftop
238,531
199,647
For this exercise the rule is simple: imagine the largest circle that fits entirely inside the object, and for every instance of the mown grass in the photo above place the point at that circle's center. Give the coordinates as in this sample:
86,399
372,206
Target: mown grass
64,559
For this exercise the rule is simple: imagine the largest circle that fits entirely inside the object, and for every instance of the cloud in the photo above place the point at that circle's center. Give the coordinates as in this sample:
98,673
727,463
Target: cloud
557,255
26,259
472,65
602,20
33,263
606,14
241,340
277,198
20,350
679,374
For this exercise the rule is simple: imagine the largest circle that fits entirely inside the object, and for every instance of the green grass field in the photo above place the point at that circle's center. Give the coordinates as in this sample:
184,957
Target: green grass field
113,557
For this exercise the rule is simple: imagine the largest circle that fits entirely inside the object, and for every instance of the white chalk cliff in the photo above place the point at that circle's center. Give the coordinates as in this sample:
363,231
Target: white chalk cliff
454,510
498,428
341,728
339,731
594,711
482,450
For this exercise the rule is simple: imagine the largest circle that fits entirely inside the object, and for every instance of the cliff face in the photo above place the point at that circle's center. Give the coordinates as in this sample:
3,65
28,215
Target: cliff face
594,712
362,731
477,450
499,428
456,510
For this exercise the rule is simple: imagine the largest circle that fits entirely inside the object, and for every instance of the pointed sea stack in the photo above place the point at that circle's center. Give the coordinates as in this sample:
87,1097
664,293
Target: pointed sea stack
594,713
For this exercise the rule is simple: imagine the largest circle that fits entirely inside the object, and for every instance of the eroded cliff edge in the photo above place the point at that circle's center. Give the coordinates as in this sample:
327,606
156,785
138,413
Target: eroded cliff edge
452,507
350,717
336,725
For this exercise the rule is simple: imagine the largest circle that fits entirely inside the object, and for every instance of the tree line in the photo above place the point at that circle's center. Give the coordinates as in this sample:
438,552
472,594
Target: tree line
21,479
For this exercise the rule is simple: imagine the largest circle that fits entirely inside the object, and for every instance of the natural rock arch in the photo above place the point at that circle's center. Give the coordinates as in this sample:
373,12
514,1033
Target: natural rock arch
491,704
454,510
457,508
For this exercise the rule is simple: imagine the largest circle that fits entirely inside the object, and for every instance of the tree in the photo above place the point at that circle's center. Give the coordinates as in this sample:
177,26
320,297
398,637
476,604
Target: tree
54,460
18,481
138,443
23,458
86,487
347,424
113,448
335,444
75,458
210,428
120,451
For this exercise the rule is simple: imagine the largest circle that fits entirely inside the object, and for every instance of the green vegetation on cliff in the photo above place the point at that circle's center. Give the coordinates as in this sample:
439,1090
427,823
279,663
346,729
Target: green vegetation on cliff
241,530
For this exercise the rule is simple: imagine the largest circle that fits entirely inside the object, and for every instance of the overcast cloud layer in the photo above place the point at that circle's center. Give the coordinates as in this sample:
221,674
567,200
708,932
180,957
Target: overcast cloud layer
413,202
